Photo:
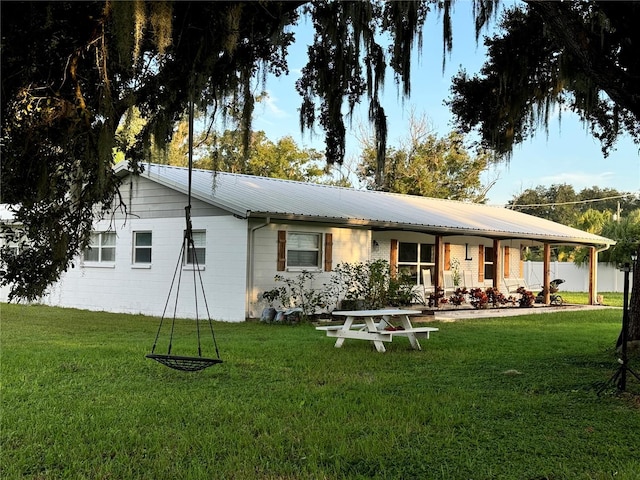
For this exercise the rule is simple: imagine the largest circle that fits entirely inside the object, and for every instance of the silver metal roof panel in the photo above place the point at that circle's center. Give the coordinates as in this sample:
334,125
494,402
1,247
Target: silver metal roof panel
250,196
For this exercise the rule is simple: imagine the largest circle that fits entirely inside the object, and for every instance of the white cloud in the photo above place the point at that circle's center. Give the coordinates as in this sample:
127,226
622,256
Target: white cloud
578,180
270,106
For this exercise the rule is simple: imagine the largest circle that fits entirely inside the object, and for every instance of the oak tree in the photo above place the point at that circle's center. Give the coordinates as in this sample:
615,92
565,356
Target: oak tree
73,70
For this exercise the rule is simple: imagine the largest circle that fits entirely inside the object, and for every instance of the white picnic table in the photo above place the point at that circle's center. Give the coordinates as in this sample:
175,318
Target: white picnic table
376,327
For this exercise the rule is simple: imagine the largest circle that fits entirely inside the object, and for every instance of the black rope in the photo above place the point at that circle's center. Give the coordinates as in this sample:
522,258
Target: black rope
182,362
166,305
175,305
206,306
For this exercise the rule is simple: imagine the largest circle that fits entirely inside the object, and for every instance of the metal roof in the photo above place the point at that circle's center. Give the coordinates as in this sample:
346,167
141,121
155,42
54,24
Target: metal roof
250,196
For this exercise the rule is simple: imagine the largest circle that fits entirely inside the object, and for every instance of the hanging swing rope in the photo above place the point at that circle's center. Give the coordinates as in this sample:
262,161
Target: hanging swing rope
188,251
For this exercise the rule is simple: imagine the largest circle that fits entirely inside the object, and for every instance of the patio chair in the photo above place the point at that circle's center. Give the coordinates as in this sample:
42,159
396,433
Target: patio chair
467,280
449,287
512,284
521,282
427,284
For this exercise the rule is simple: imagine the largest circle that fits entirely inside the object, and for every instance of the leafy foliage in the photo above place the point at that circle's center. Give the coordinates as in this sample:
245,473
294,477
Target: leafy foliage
527,298
482,298
605,212
367,285
582,56
426,165
560,203
78,69
373,284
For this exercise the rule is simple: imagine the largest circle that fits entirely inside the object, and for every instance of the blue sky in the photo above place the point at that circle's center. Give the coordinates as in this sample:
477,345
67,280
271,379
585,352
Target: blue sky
565,154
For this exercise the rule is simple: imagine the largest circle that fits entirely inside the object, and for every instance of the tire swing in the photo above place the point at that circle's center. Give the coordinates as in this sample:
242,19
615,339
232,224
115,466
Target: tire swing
180,362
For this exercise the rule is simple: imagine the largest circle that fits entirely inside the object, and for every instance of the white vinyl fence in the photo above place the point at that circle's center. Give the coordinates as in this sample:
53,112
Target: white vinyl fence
610,278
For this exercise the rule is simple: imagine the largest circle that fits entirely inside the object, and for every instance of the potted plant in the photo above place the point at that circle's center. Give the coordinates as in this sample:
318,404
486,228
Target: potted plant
269,313
527,298
459,296
478,298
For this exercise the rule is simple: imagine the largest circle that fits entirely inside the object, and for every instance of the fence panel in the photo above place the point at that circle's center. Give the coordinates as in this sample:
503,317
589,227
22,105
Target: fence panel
610,278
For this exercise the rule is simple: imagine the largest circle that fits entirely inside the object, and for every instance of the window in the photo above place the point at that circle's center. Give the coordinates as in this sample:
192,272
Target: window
198,254
488,263
415,257
303,250
142,247
102,248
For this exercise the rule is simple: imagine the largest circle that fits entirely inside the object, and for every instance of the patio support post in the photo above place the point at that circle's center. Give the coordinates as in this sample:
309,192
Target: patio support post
497,263
593,278
439,261
546,274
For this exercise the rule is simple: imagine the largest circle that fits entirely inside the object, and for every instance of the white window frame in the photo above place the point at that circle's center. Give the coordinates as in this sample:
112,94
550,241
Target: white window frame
101,248
318,249
135,248
420,265
200,243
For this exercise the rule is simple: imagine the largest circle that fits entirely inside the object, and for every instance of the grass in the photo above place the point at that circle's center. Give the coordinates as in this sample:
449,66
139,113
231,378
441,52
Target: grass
508,398
611,299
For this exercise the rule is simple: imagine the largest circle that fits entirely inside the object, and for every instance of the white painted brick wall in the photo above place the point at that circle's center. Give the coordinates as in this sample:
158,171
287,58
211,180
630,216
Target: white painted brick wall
128,289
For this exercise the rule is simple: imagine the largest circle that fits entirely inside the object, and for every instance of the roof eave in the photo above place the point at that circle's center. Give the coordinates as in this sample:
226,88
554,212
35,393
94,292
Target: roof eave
432,229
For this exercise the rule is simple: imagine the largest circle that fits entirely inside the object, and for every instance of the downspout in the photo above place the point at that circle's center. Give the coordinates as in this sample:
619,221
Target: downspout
250,263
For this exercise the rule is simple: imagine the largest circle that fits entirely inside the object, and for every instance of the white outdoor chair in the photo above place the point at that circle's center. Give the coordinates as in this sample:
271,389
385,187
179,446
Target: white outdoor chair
467,280
449,287
512,284
521,282
427,284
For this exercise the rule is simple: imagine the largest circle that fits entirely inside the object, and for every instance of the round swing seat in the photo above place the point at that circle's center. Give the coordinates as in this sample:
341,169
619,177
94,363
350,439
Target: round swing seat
184,364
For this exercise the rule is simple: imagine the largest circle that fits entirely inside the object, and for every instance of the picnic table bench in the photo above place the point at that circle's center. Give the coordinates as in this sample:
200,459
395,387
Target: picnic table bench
377,331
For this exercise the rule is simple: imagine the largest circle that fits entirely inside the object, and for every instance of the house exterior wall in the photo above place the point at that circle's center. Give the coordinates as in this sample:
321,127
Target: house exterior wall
147,199
122,286
463,249
348,246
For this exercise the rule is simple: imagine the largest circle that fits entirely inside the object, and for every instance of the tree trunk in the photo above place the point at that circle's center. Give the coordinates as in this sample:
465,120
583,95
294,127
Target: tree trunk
634,301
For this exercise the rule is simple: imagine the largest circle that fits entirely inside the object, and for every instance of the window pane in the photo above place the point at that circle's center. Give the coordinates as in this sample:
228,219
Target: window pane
488,271
408,252
143,255
108,254
299,258
92,254
488,254
198,254
200,239
426,253
109,239
143,239
409,270
303,241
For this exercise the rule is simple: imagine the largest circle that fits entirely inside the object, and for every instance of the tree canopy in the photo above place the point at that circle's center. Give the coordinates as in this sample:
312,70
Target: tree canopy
426,165
581,56
72,71
560,202
603,211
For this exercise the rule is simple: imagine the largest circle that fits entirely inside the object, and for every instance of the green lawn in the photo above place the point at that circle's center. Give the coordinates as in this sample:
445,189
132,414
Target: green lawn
611,299
508,398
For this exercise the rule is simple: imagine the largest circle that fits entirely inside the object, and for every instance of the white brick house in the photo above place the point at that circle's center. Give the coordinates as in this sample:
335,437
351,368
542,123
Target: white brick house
248,229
